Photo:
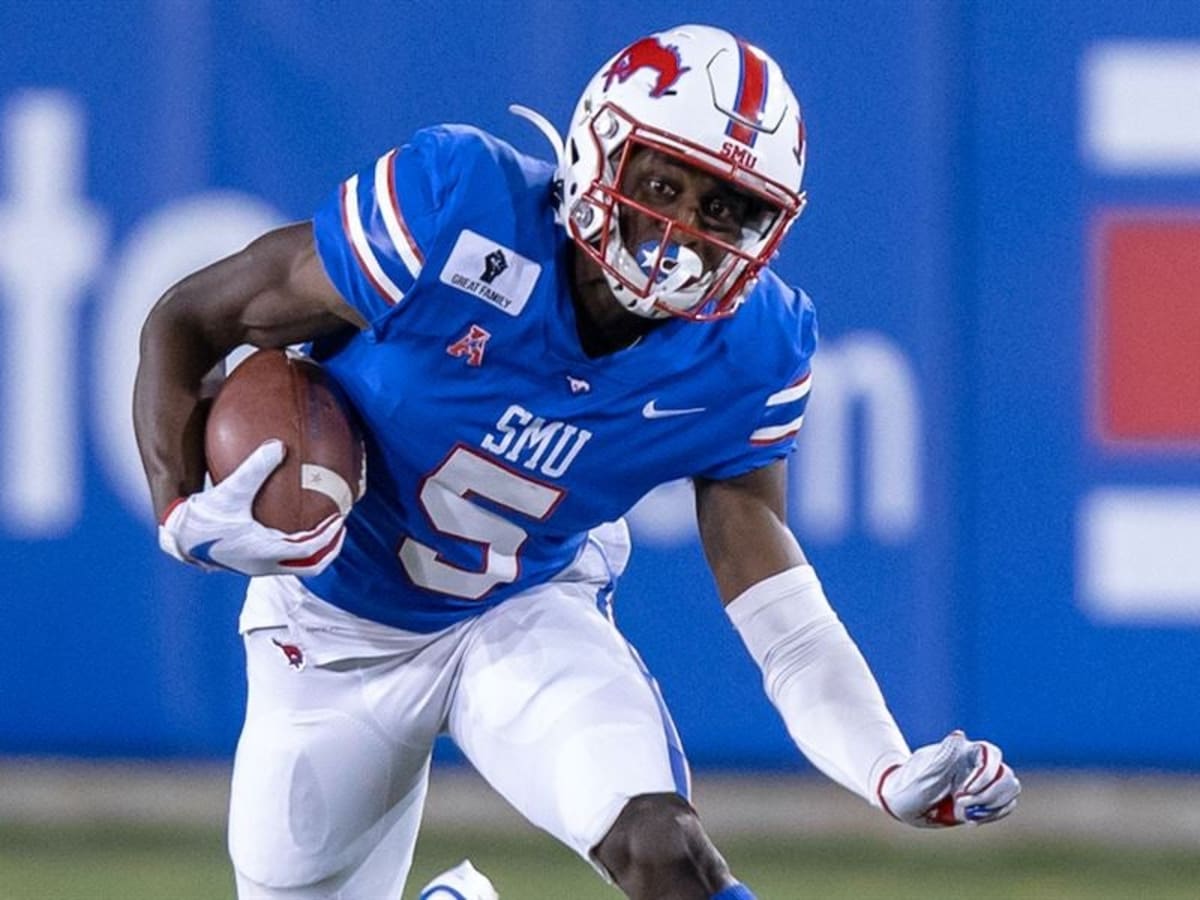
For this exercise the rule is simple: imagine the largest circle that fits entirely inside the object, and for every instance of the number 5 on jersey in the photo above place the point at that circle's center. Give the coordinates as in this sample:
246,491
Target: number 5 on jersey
445,498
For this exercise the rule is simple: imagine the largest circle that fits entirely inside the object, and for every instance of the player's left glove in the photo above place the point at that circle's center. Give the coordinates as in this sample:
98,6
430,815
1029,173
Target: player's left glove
956,782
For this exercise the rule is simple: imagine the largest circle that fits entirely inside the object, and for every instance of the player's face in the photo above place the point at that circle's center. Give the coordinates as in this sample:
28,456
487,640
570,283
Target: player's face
708,206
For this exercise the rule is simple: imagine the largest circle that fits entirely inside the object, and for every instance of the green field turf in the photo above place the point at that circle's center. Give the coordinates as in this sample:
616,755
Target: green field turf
143,863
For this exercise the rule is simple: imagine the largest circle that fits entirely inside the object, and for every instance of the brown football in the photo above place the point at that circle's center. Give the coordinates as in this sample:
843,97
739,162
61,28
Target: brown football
273,394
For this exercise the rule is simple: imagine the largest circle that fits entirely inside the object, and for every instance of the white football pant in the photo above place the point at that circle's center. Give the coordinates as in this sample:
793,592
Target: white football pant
542,694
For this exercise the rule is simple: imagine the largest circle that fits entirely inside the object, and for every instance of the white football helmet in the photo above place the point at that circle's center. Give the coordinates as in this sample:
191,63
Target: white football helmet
715,102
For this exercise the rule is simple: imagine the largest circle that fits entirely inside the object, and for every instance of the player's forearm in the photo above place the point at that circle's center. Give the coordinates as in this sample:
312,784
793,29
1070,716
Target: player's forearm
743,528
168,405
835,712
818,680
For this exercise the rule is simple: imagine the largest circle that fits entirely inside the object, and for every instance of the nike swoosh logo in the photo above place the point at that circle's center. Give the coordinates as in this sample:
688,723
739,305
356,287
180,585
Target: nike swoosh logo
203,553
650,411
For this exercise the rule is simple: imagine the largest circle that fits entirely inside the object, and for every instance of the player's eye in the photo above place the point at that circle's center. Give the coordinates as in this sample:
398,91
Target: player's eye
724,212
660,188
716,208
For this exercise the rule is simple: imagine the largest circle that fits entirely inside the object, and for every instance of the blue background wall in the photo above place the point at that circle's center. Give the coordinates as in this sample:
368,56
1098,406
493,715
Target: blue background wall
945,459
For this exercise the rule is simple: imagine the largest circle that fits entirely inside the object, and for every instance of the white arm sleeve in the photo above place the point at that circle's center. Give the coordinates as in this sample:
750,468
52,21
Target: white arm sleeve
818,680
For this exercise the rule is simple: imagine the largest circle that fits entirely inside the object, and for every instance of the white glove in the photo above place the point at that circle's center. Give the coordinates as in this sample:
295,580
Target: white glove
216,529
955,782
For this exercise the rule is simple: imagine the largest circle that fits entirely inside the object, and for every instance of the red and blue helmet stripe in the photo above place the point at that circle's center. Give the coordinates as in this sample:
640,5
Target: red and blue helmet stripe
751,97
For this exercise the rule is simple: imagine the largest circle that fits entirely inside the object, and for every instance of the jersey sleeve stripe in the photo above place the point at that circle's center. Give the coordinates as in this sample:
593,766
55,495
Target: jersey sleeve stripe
773,433
352,224
393,219
792,393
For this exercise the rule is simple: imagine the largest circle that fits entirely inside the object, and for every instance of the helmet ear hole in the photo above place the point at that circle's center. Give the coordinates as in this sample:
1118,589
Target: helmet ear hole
574,152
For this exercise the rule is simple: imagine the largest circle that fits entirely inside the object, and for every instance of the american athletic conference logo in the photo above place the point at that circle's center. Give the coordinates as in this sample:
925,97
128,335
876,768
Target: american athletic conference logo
471,345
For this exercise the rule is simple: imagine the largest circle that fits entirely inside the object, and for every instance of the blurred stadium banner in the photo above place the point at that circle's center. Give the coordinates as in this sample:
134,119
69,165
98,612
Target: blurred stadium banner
1141,106
998,476
1139,538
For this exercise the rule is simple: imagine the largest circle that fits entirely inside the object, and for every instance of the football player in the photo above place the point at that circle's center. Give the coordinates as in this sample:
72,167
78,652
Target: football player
531,347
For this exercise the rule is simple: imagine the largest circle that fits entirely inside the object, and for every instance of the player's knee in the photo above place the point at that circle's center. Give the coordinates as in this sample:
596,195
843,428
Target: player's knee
658,849
304,795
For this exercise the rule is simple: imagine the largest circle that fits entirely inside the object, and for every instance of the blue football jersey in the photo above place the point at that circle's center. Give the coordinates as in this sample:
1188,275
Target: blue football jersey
493,442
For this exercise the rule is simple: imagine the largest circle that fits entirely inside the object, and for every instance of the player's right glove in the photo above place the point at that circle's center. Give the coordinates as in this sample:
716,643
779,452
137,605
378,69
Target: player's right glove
215,529
956,782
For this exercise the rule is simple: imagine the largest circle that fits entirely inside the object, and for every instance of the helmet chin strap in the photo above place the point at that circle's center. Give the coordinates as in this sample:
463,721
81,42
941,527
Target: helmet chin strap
679,280
678,267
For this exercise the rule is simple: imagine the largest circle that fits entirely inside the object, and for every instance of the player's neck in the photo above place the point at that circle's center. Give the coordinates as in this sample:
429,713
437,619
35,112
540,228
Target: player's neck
602,324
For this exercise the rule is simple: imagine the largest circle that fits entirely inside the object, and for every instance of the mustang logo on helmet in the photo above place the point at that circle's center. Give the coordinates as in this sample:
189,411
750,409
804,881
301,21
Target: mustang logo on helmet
648,53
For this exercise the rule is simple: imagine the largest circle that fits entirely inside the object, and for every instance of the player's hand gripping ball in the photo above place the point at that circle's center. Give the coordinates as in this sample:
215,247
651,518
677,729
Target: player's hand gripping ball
956,782
287,463
275,395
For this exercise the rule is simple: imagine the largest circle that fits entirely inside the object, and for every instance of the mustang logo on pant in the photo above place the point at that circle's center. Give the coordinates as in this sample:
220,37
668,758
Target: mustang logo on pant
295,656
